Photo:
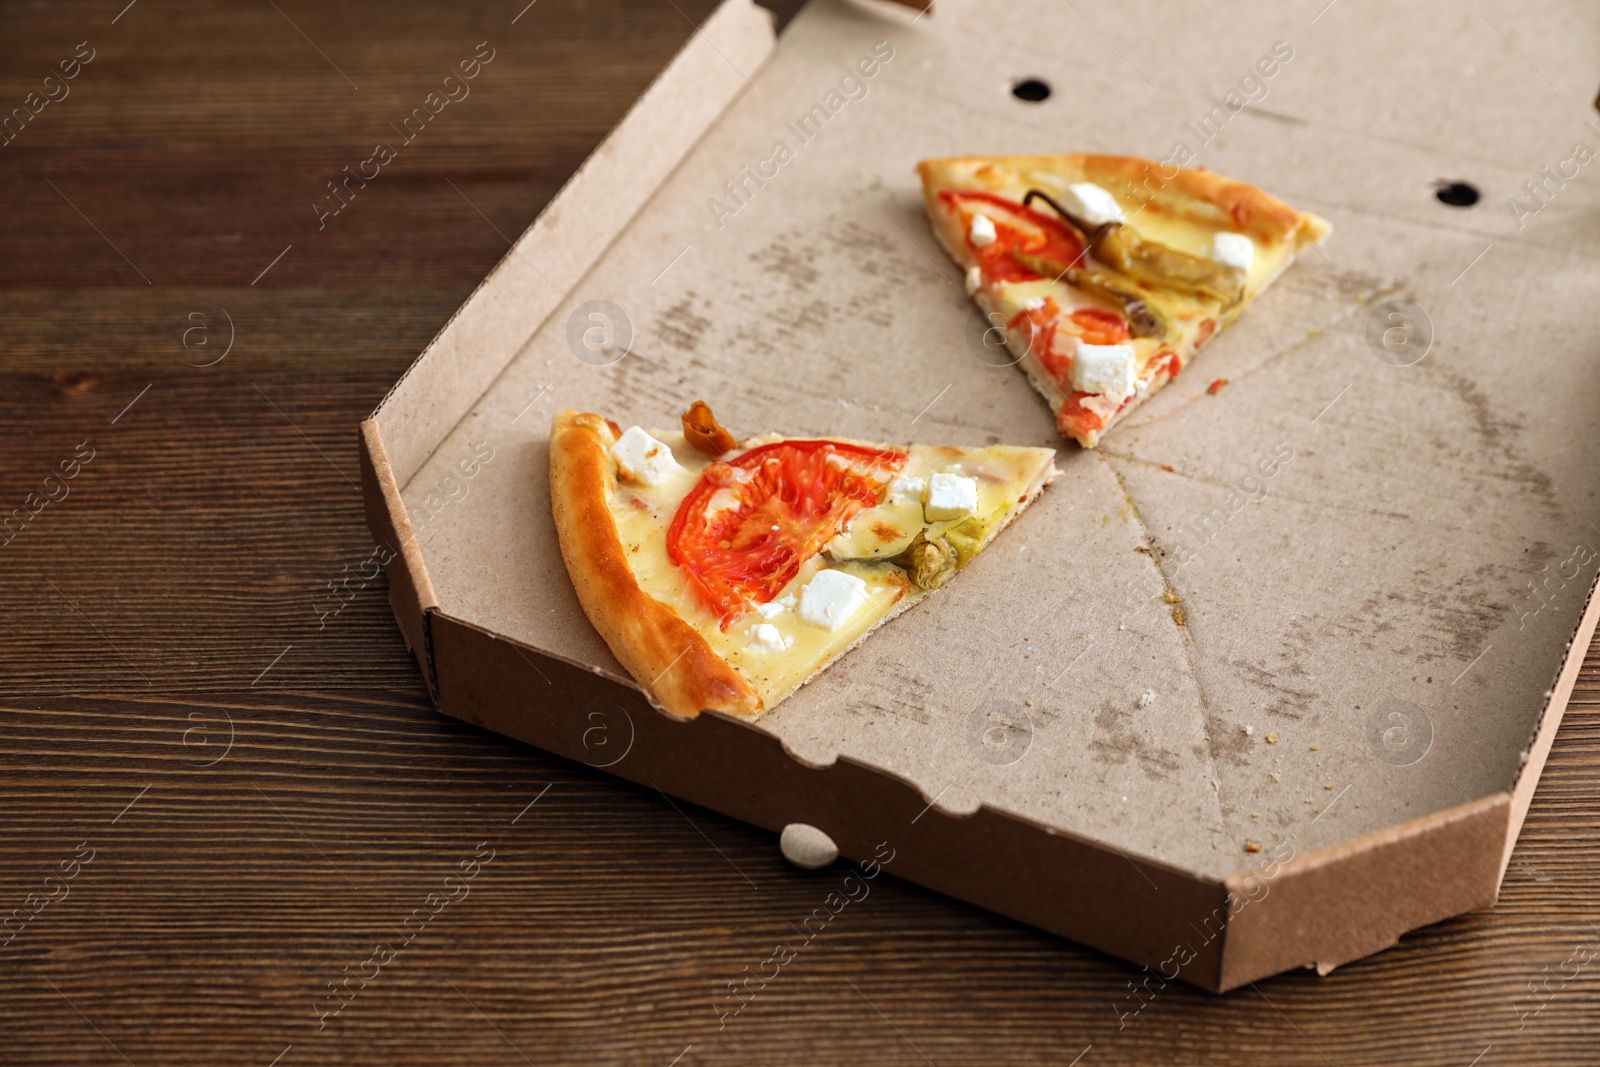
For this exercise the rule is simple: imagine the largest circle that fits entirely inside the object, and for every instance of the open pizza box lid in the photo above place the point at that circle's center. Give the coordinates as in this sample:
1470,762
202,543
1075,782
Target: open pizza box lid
1264,682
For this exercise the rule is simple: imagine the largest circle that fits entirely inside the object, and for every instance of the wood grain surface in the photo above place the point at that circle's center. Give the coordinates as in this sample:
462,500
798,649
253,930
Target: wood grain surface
217,795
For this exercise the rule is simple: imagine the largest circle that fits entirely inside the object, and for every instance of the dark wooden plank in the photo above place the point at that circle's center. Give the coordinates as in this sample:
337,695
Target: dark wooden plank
606,927
230,884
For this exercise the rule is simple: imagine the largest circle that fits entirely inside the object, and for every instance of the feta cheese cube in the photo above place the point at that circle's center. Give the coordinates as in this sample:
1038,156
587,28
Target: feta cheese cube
1091,203
950,496
974,280
1105,369
643,458
770,610
906,488
1233,250
830,598
981,231
766,638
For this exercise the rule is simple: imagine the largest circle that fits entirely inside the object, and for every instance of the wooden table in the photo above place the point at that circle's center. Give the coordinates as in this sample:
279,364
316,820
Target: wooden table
222,793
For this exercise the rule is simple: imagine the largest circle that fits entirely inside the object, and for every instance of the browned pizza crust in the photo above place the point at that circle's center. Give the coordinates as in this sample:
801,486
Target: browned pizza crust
673,663
1208,198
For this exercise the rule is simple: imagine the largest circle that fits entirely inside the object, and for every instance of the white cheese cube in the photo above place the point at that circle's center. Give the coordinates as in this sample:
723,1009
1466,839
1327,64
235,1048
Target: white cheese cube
770,610
981,231
766,638
643,458
906,488
830,598
1105,369
950,496
1233,250
974,280
1091,203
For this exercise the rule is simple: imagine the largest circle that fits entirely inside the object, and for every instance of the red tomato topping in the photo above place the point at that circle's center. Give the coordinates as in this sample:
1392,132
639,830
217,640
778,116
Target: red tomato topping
1173,366
1038,327
1075,420
1094,326
1100,327
1015,227
1216,387
1207,328
792,497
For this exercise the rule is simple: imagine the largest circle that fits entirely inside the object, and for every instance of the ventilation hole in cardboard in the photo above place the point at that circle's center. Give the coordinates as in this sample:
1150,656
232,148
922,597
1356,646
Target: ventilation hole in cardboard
1032,90
1456,194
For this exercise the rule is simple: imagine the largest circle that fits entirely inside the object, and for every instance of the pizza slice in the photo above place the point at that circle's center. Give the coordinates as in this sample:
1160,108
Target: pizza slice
1104,273
726,574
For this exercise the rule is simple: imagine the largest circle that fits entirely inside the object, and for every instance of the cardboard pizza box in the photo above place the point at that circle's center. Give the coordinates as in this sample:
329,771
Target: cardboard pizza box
1265,681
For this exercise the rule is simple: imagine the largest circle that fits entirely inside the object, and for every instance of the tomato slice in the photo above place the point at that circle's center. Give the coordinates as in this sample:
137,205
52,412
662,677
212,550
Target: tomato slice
1098,326
1038,326
746,527
1015,227
1076,420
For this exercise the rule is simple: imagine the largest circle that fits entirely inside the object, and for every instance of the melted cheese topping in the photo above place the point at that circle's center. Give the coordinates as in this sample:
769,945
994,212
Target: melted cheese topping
1006,477
1187,313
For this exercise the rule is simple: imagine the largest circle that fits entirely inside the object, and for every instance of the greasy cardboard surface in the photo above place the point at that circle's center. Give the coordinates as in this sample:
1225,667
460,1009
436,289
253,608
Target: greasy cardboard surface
1352,542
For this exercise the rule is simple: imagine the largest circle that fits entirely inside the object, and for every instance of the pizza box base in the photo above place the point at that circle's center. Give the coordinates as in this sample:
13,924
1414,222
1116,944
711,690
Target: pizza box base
1381,541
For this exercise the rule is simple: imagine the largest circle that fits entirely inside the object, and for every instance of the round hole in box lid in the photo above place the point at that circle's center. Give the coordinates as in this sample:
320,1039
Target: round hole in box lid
1456,194
1033,90
806,846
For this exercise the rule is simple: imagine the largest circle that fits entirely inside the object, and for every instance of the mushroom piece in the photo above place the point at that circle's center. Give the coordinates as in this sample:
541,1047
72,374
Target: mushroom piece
704,433
930,563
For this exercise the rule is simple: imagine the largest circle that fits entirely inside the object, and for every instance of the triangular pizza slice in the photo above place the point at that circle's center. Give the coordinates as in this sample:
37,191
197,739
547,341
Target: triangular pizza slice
725,573
1104,273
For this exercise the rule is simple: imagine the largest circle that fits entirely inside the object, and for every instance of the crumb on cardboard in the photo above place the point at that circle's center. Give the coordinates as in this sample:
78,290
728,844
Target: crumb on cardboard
1256,815
1316,748
1147,698
1168,468
1179,616
1252,846
1216,387
1169,596
1276,777
1272,739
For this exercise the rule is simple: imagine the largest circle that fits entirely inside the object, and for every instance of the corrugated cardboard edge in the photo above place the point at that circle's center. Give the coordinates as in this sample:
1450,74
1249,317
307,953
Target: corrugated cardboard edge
1352,899
1088,892
570,235
411,593
1544,737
